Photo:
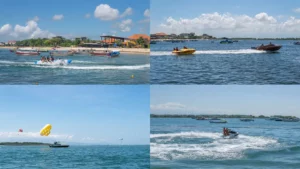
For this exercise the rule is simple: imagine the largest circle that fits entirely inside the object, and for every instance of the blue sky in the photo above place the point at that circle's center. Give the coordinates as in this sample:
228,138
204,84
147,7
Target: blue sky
274,19
83,114
74,22
230,99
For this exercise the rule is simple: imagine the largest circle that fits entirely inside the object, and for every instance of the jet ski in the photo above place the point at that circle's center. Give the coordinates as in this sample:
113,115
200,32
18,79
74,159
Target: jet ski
232,134
271,47
187,51
59,62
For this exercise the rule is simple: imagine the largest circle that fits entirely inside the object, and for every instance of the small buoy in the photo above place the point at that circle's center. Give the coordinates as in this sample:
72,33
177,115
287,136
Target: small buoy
132,76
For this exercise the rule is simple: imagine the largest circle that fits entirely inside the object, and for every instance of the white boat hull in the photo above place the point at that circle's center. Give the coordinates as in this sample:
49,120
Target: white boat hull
55,62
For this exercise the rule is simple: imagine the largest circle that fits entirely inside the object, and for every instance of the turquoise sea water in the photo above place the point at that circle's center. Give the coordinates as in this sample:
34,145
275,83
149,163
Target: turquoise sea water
16,69
215,63
189,143
79,157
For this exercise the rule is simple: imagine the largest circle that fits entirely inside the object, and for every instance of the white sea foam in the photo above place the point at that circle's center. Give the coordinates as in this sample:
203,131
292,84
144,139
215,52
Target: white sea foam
102,67
240,51
218,148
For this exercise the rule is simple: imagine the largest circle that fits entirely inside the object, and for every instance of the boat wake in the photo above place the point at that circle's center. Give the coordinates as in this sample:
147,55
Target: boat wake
75,67
102,67
205,145
208,52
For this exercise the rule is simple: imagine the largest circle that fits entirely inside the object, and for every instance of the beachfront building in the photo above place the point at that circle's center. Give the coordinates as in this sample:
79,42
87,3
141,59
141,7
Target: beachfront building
11,42
2,44
142,40
159,35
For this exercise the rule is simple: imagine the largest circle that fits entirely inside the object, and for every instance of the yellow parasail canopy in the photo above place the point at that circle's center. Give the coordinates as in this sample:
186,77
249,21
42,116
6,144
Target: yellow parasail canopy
45,131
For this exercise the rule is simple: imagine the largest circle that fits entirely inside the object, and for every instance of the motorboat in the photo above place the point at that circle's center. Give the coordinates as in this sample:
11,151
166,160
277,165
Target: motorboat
246,119
271,47
59,62
218,121
58,145
111,53
187,51
232,134
27,52
296,43
226,41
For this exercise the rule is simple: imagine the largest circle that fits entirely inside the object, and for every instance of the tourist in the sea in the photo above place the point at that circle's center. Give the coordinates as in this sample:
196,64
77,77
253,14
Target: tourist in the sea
52,58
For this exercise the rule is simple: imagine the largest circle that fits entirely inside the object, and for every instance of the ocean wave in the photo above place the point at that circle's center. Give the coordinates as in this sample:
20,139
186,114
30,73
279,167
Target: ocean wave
218,148
240,51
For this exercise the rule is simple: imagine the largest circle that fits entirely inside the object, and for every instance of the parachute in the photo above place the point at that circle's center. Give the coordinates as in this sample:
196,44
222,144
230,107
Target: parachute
45,131
20,130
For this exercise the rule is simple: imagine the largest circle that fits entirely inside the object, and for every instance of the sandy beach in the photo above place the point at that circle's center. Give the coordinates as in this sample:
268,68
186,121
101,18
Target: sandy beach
122,50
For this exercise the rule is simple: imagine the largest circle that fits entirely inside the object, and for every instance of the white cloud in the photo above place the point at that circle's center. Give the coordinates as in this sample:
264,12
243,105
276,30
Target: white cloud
30,30
232,25
38,33
36,19
105,12
168,106
127,12
58,17
147,13
125,25
5,29
87,15
297,10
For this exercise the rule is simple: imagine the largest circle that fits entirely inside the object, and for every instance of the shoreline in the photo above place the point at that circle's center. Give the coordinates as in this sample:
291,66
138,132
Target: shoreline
122,50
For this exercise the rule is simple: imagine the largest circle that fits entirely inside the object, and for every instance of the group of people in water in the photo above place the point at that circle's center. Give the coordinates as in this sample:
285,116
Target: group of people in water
47,59
271,44
176,49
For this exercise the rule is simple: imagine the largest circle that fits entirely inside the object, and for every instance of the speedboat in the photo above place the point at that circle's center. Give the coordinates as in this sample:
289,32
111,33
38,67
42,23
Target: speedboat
27,52
296,43
59,62
187,51
232,134
247,119
218,121
291,120
111,53
270,47
58,145
227,41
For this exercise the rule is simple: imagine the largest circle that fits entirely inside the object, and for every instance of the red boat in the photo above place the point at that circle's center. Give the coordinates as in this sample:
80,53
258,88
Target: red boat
29,52
271,47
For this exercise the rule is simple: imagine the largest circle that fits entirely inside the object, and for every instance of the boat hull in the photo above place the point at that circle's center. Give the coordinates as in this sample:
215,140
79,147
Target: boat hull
231,136
60,146
270,48
27,53
55,62
184,52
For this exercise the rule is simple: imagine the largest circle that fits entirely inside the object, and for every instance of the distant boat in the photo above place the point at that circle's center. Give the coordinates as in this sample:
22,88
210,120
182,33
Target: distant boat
246,119
153,42
27,52
296,43
218,121
58,145
112,53
227,41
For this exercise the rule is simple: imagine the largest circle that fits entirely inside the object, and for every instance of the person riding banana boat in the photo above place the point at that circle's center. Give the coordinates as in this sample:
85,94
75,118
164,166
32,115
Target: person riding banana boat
184,51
